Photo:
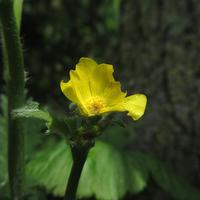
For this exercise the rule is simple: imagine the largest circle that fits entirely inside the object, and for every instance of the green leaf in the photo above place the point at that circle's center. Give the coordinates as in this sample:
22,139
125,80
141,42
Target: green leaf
54,123
117,136
51,167
18,4
108,173
31,110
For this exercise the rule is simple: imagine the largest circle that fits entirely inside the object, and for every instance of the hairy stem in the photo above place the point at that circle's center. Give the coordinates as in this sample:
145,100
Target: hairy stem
79,157
15,87
5,57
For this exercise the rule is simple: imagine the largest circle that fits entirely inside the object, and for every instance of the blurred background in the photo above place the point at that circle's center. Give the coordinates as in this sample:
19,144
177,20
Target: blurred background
154,46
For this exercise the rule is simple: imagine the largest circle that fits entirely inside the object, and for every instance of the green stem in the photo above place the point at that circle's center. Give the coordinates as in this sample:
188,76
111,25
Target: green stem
79,157
5,58
15,86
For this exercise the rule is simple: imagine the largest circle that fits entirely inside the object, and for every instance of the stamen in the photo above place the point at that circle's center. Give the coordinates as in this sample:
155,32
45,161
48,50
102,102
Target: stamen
95,105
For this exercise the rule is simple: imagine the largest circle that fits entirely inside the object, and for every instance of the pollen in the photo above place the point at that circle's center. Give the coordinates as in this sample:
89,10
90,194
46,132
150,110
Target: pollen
95,105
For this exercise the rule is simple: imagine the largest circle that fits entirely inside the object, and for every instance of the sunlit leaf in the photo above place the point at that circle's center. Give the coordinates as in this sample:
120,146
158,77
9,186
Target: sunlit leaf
54,123
110,174
107,174
32,111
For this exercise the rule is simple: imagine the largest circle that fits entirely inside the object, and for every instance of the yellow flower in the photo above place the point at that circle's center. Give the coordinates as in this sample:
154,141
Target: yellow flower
93,88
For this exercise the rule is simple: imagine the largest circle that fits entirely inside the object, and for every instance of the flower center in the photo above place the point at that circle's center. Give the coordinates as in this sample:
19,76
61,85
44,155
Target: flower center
95,105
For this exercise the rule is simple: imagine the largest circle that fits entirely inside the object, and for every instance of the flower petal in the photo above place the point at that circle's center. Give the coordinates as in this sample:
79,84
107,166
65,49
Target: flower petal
80,87
135,105
80,78
90,79
68,91
101,78
113,94
85,68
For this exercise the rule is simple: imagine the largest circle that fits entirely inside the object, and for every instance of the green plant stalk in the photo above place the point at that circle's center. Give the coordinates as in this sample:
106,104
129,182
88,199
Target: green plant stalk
15,89
79,157
5,57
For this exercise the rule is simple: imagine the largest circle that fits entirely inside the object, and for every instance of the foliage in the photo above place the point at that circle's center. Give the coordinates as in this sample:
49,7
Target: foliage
109,173
102,172
31,110
60,124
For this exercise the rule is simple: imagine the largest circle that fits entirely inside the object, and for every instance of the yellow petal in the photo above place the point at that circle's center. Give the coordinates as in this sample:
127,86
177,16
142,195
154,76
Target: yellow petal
91,80
135,105
113,94
81,88
68,91
78,89
101,78
79,80
87,64
81,77
85,68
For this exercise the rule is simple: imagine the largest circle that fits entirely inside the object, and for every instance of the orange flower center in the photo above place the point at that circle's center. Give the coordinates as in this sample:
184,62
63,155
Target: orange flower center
95,105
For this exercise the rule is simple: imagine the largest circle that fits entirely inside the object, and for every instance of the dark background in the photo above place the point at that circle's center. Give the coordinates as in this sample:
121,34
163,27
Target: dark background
154,46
